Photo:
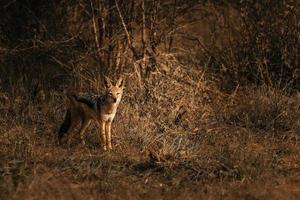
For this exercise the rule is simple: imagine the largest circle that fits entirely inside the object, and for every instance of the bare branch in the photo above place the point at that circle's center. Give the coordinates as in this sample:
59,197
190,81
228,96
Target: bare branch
95,29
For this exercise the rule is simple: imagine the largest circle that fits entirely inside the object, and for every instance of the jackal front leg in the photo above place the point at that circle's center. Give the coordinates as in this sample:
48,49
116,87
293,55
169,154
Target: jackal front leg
108,134
102,134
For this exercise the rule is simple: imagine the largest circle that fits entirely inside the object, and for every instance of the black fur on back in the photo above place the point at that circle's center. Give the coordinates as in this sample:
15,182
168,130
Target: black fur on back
87,102
65,125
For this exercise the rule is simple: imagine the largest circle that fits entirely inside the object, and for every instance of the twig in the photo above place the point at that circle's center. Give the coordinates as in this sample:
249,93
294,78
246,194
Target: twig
135,54
95,31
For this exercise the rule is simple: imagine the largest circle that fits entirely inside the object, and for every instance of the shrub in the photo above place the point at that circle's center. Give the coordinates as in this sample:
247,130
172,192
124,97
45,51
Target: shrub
262,47
264,109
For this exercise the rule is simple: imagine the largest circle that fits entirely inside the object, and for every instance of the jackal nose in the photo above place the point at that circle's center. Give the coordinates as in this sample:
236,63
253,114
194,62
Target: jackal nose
114,100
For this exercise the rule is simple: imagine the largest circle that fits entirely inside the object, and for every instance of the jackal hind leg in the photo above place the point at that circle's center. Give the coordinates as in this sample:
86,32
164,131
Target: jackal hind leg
84,125
108,134
70,133
102,135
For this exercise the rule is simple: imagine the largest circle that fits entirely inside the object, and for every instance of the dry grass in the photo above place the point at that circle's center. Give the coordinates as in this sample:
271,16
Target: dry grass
182,139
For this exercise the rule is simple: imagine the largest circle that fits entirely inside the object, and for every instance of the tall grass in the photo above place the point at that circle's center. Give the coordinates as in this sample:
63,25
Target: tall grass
223,125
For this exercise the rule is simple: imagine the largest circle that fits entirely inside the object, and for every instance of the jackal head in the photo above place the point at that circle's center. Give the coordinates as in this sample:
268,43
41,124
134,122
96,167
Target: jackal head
114,92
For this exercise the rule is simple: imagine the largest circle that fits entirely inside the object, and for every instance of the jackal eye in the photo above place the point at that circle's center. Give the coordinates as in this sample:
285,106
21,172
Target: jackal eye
118,94
110,94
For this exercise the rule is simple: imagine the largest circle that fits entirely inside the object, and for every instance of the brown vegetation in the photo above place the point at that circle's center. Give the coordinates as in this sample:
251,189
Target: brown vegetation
203,115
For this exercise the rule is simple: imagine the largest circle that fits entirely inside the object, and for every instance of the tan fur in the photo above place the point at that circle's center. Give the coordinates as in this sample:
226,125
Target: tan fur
103,114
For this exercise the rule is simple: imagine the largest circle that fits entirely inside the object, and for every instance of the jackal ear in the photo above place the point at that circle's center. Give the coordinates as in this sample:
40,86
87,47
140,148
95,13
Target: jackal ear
120,82
107,82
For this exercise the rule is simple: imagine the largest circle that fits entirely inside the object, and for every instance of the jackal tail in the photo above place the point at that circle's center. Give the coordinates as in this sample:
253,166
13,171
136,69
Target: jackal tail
65,126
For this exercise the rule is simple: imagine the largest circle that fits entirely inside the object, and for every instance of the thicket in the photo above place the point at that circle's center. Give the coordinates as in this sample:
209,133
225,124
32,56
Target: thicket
55,42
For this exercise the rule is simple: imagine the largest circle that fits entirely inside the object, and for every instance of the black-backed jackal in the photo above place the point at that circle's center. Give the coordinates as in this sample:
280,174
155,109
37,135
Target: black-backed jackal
89,107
